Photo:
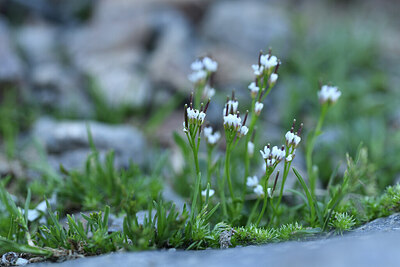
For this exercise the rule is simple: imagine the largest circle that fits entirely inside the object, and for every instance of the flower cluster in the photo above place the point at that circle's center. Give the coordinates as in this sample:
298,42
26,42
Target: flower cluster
211,138
273,156
194,117
264,69
232,120
258,189
329,94
293,140
202,68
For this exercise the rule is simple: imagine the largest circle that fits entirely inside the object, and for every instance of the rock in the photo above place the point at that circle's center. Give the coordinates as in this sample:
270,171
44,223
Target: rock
11,68
174,51
66,142
388,224
9,258
10,167
247,26
53,85
109,49
38,42
378,249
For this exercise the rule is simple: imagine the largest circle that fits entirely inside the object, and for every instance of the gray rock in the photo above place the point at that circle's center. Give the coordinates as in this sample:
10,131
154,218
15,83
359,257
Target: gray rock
387,224
52,84
66,142
11,68
174,51
379,249
247,26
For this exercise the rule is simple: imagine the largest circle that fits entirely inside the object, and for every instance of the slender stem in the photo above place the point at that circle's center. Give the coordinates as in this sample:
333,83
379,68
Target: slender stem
227,169
253,212
310,147
265,202
209,163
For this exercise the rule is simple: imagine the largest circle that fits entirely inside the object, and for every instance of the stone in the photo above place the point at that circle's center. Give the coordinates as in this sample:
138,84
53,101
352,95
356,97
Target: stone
169,64
66,142
247,26
52,84
377,249
386,224
11,67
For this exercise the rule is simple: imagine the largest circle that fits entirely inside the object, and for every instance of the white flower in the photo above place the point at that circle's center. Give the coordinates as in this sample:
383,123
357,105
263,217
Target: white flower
270,162
213,138
197,65
244,130
266,153
252,181
250,148
197,76
210,193
258,70
289,137
210,92
329,94
275,152
268,61
201,117
273,78
192,113
259,190
207,131
269,191
210,64
232,121
258,107
289,158
296,140
232,106
253,88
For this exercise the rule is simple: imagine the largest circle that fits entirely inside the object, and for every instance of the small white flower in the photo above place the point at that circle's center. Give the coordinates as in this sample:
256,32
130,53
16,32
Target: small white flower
210,64
210,92
296,140
185,130
252,181
329,94
289,137
269,191
232,106
197,76
201,117
253,88
214,138
207,131
259,190
275,152
197,65
232,121
273,78
266,153
270,162
250,148
258,70
192,113
268,61
258,107
211,192
289,158
244,130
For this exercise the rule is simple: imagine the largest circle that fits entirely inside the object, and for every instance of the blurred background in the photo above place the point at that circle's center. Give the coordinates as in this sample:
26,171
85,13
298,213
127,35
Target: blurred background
123,65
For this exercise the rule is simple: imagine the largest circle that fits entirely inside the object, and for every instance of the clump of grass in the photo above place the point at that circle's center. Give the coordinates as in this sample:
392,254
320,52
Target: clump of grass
341,222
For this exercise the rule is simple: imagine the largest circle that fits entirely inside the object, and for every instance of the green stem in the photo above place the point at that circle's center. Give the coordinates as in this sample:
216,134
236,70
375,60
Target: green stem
227,169
253,212
310,147
209,164
265,202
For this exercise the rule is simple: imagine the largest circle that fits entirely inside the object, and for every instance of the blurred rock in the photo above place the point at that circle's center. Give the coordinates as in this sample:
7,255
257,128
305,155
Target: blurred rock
247,26
387,224
10,167
11,69
52,84
109,49
66,142
174,51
